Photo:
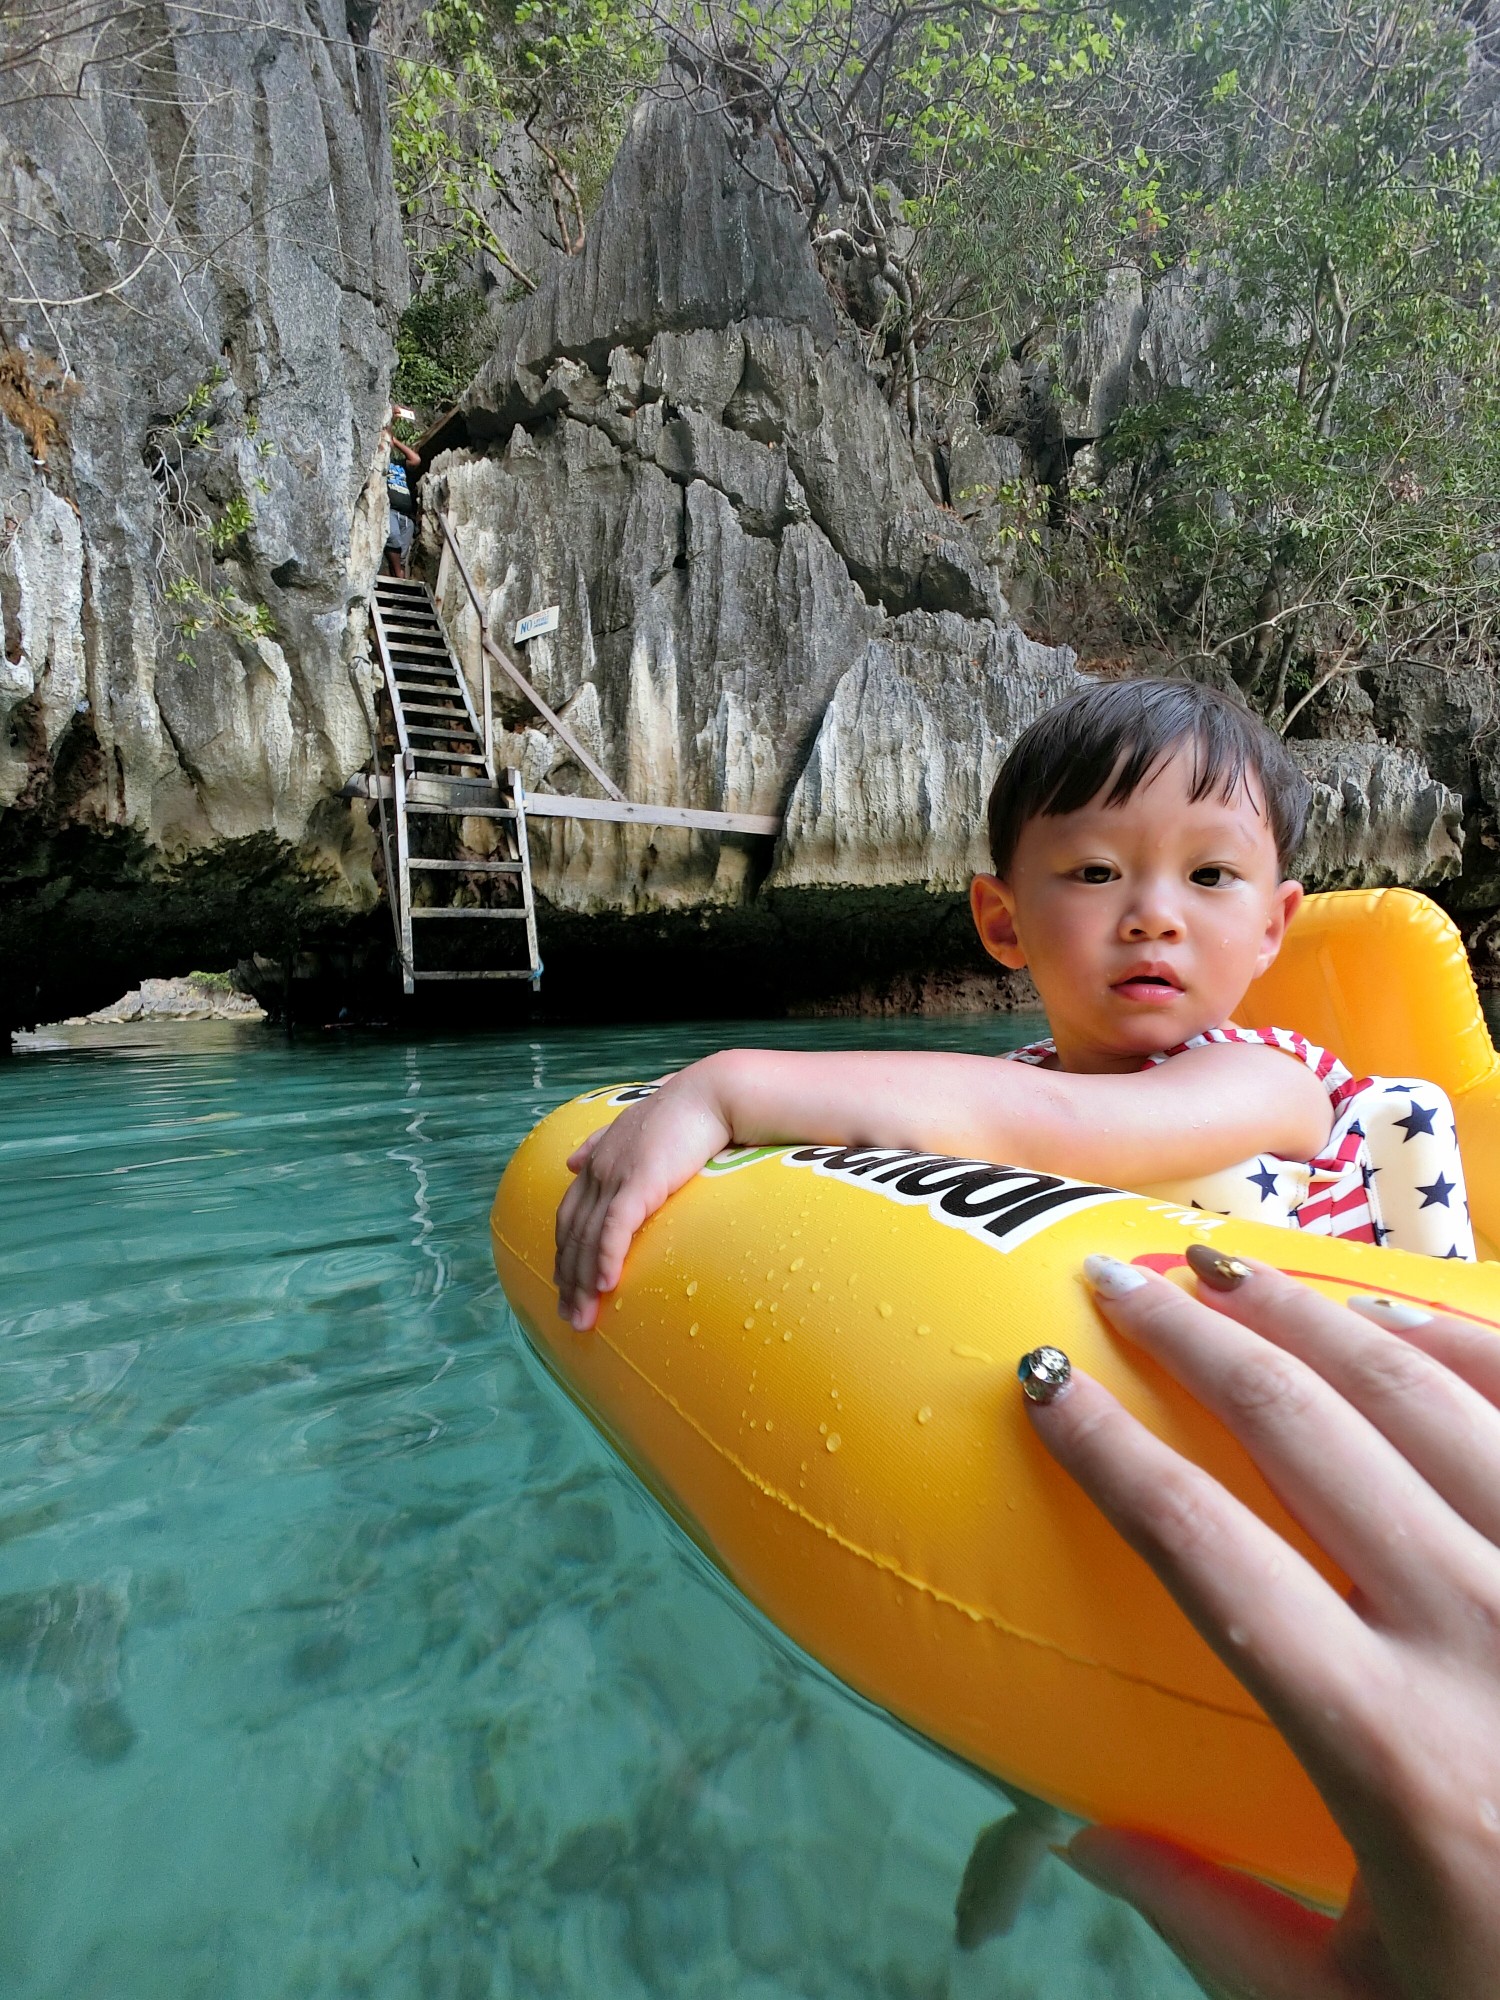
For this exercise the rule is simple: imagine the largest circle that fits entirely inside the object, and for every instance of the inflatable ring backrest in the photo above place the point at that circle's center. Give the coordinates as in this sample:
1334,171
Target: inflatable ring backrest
1380,977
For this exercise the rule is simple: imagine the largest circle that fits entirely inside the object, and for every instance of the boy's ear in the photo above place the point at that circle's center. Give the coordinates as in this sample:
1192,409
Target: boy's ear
1284,906
994,919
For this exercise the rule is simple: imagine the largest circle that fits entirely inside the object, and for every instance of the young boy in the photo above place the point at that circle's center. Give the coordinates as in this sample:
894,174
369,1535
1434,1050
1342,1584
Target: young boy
1142,833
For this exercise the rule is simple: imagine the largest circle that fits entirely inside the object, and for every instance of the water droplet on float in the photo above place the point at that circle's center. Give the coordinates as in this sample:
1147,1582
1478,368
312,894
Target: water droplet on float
822,1430
749,1321
786,1333
834,1441
693,1331
924,1415
797,1263
924,1328
885,1310
816,1286
768,1423
692,1288
619,1305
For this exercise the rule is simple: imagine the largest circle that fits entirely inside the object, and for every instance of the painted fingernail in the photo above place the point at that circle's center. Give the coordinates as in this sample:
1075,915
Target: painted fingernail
1216,1269
1395,1315
1110,1278
1044,1373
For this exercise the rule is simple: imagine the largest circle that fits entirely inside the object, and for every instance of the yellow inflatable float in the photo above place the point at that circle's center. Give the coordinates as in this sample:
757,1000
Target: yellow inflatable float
812,1362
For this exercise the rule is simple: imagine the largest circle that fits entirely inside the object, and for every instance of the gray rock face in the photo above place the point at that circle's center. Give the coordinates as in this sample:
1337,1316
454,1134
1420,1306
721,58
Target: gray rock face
763,609
1378,817
1174,336
183,584
1097,356
895,788
683,241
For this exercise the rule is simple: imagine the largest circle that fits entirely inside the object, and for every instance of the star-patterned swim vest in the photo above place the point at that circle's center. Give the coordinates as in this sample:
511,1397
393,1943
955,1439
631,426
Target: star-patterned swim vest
1389,1171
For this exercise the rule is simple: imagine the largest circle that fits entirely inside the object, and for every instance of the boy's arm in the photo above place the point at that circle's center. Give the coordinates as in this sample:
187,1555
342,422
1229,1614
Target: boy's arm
1197,1113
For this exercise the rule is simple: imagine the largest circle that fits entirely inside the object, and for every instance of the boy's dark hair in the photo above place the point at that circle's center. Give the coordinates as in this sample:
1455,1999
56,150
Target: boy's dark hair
1121,731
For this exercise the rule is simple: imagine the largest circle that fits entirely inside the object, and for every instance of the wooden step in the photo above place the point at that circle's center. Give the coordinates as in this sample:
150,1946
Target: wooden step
466,867
460,811
511,972
439,910
443,757
424,708
459,729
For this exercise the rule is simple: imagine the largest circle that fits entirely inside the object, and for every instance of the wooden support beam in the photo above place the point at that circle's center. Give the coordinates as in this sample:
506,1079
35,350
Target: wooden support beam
548,805
554,805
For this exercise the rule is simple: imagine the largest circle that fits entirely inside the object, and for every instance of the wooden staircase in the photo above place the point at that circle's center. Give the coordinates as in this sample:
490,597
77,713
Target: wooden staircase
440,772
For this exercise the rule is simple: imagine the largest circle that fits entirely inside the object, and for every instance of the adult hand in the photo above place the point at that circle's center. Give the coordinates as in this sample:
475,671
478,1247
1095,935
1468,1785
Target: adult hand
1379,1429
624,1172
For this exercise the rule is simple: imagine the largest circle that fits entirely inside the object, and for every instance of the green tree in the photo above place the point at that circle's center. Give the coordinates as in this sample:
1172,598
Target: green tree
1322,499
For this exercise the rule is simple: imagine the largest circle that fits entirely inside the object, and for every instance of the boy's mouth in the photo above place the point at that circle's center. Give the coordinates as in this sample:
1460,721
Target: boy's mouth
1148,983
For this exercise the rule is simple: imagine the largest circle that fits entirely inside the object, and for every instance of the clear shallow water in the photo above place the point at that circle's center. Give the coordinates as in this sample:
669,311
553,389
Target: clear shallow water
337,1655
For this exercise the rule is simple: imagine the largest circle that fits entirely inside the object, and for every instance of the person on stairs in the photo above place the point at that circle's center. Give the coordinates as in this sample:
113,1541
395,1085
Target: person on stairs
402,529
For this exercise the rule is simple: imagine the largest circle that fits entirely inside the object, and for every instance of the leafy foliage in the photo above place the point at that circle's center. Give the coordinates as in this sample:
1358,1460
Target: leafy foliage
504,120
439,342
1314,497
1320,499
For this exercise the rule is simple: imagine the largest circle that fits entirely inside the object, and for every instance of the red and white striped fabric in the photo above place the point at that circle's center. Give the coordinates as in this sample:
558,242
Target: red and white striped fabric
1389,1172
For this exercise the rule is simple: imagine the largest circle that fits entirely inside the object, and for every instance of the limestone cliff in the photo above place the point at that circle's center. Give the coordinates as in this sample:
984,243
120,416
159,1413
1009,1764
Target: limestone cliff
203,272
763,609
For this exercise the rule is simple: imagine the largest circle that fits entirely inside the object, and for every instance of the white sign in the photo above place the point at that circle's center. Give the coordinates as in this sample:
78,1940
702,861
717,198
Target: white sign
538,622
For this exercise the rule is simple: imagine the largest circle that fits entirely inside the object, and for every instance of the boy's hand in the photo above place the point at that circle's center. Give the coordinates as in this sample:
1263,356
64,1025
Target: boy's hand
625,1172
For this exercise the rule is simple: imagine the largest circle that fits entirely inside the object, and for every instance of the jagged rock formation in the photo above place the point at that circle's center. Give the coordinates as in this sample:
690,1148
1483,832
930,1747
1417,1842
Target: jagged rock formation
1378,816
763,609
183,580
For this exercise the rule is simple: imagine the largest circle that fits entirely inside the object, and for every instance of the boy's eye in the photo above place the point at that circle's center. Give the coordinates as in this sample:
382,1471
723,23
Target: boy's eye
1209,878
1096,871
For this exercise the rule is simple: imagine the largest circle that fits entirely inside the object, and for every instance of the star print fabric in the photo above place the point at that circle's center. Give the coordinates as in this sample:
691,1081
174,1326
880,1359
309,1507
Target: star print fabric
1389,1172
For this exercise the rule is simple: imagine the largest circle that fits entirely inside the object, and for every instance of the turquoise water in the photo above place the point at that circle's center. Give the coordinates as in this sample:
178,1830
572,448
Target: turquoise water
337,1655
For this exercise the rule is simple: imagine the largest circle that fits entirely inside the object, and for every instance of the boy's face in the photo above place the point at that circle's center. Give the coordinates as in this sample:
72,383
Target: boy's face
1142,923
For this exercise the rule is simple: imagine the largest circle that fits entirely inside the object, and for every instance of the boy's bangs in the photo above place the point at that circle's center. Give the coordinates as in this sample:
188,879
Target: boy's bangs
1108,740
1221,768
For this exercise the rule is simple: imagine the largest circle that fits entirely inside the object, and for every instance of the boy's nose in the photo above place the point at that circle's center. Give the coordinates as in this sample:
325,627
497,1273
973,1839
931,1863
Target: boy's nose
1152,915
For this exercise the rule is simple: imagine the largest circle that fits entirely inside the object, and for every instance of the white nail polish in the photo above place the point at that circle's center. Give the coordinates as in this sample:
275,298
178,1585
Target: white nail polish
1110,1278
1395,1315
